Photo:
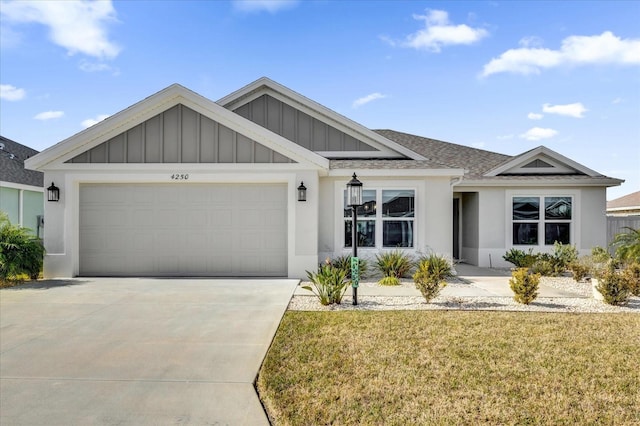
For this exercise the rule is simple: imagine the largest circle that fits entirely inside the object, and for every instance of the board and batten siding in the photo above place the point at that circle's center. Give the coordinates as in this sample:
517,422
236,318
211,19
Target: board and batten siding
180,135
298,126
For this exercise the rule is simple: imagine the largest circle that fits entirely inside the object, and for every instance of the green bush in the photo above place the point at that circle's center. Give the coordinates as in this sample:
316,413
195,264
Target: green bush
563,256
524,285
632,274
393,264
544,266
600,255
20,253
581,268
519,258
329,284
627,245
344,263
431,274
613,286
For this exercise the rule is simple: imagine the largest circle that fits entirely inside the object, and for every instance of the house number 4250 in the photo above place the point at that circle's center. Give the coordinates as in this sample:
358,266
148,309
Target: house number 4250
180,176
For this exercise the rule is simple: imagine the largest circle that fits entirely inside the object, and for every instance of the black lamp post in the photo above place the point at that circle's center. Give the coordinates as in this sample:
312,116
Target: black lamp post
53,193
354,200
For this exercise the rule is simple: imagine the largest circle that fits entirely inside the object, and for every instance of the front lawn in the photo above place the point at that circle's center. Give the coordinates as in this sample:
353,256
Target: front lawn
454,367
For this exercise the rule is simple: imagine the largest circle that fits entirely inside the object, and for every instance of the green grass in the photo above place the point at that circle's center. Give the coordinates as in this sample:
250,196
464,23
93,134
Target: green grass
408,367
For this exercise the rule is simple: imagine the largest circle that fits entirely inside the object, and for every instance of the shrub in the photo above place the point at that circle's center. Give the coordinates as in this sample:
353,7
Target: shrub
544,266
524,285
393,264
600,255
519,258
627,245
613,286
632,274
20,253
581,267
431,274
563,256
344,263
329,284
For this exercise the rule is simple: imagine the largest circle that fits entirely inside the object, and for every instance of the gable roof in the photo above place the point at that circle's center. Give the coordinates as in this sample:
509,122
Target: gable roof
481,166
12,158
163,100
264,85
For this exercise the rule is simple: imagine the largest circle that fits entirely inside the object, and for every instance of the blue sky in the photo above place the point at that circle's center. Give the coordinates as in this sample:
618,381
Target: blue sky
504,76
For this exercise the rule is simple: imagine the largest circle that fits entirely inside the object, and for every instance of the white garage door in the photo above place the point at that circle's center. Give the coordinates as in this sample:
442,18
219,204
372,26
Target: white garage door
183,230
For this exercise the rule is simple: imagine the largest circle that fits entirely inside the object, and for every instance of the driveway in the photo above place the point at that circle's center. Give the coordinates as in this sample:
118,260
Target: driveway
136,351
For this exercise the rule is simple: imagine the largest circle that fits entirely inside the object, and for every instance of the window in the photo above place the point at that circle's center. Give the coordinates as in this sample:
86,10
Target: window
392,224
549,215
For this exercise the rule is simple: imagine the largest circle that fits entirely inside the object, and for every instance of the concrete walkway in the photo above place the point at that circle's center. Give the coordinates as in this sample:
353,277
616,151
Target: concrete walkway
136,351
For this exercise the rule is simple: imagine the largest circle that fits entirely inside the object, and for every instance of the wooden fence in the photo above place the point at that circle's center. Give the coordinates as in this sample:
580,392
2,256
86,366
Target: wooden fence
616,223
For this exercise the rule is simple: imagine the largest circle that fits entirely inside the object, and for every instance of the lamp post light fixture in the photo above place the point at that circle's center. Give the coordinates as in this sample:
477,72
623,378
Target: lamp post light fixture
53,193
354,200
302,192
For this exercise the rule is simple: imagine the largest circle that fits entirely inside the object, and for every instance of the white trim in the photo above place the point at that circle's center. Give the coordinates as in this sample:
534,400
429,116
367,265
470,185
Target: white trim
21,186
603,181
347,172
177,167
528,156
359,154
265,85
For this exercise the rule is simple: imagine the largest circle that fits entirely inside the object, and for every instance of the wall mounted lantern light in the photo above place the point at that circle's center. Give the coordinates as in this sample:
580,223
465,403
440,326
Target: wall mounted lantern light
53,193
302,192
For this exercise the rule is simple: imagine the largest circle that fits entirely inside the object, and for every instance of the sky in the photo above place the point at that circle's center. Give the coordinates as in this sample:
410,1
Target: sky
505,76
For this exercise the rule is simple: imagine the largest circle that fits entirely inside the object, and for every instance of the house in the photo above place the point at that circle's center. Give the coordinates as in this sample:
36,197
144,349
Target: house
21,190
628,205
180,185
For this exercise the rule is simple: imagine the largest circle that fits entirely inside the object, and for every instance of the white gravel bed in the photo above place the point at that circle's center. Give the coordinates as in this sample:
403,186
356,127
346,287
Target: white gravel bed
583,304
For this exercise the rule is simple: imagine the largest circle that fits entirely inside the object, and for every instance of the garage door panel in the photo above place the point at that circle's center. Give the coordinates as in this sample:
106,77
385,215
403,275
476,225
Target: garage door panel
183,229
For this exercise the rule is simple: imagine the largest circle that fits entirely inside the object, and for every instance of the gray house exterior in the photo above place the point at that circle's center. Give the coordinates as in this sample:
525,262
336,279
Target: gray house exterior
180,185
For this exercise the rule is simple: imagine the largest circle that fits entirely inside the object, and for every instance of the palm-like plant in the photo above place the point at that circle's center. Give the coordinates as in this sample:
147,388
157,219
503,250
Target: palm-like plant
627,245
20,253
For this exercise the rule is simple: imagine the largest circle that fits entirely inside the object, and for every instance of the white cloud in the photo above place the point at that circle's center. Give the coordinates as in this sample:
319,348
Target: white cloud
576,110
11,93
440,32
91,121
537,133
366,99
79,26
605,48
271,6
48,115
531,41
617,101
534,116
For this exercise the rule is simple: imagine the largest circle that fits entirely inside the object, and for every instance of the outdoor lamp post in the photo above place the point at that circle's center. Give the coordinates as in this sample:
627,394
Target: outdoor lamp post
354,200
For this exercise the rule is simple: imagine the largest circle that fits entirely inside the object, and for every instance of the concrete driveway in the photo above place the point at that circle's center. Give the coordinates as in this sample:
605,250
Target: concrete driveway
136,351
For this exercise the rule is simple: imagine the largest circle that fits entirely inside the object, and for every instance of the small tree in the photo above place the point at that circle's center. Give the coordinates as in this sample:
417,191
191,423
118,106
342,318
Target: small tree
614,286
20,253
431,274
524,285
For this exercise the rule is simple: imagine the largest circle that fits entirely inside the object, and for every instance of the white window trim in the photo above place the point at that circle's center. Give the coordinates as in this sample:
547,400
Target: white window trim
574,228
378,186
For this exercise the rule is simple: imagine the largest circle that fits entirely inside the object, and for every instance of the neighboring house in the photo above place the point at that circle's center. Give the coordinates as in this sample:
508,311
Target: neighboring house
628,205
180,185
21,190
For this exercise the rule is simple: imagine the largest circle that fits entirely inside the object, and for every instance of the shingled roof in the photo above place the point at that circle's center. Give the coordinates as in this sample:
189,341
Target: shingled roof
475,161
12,156
629,201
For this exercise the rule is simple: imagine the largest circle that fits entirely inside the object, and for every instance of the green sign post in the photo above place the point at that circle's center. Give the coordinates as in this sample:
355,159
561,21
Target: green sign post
355,272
